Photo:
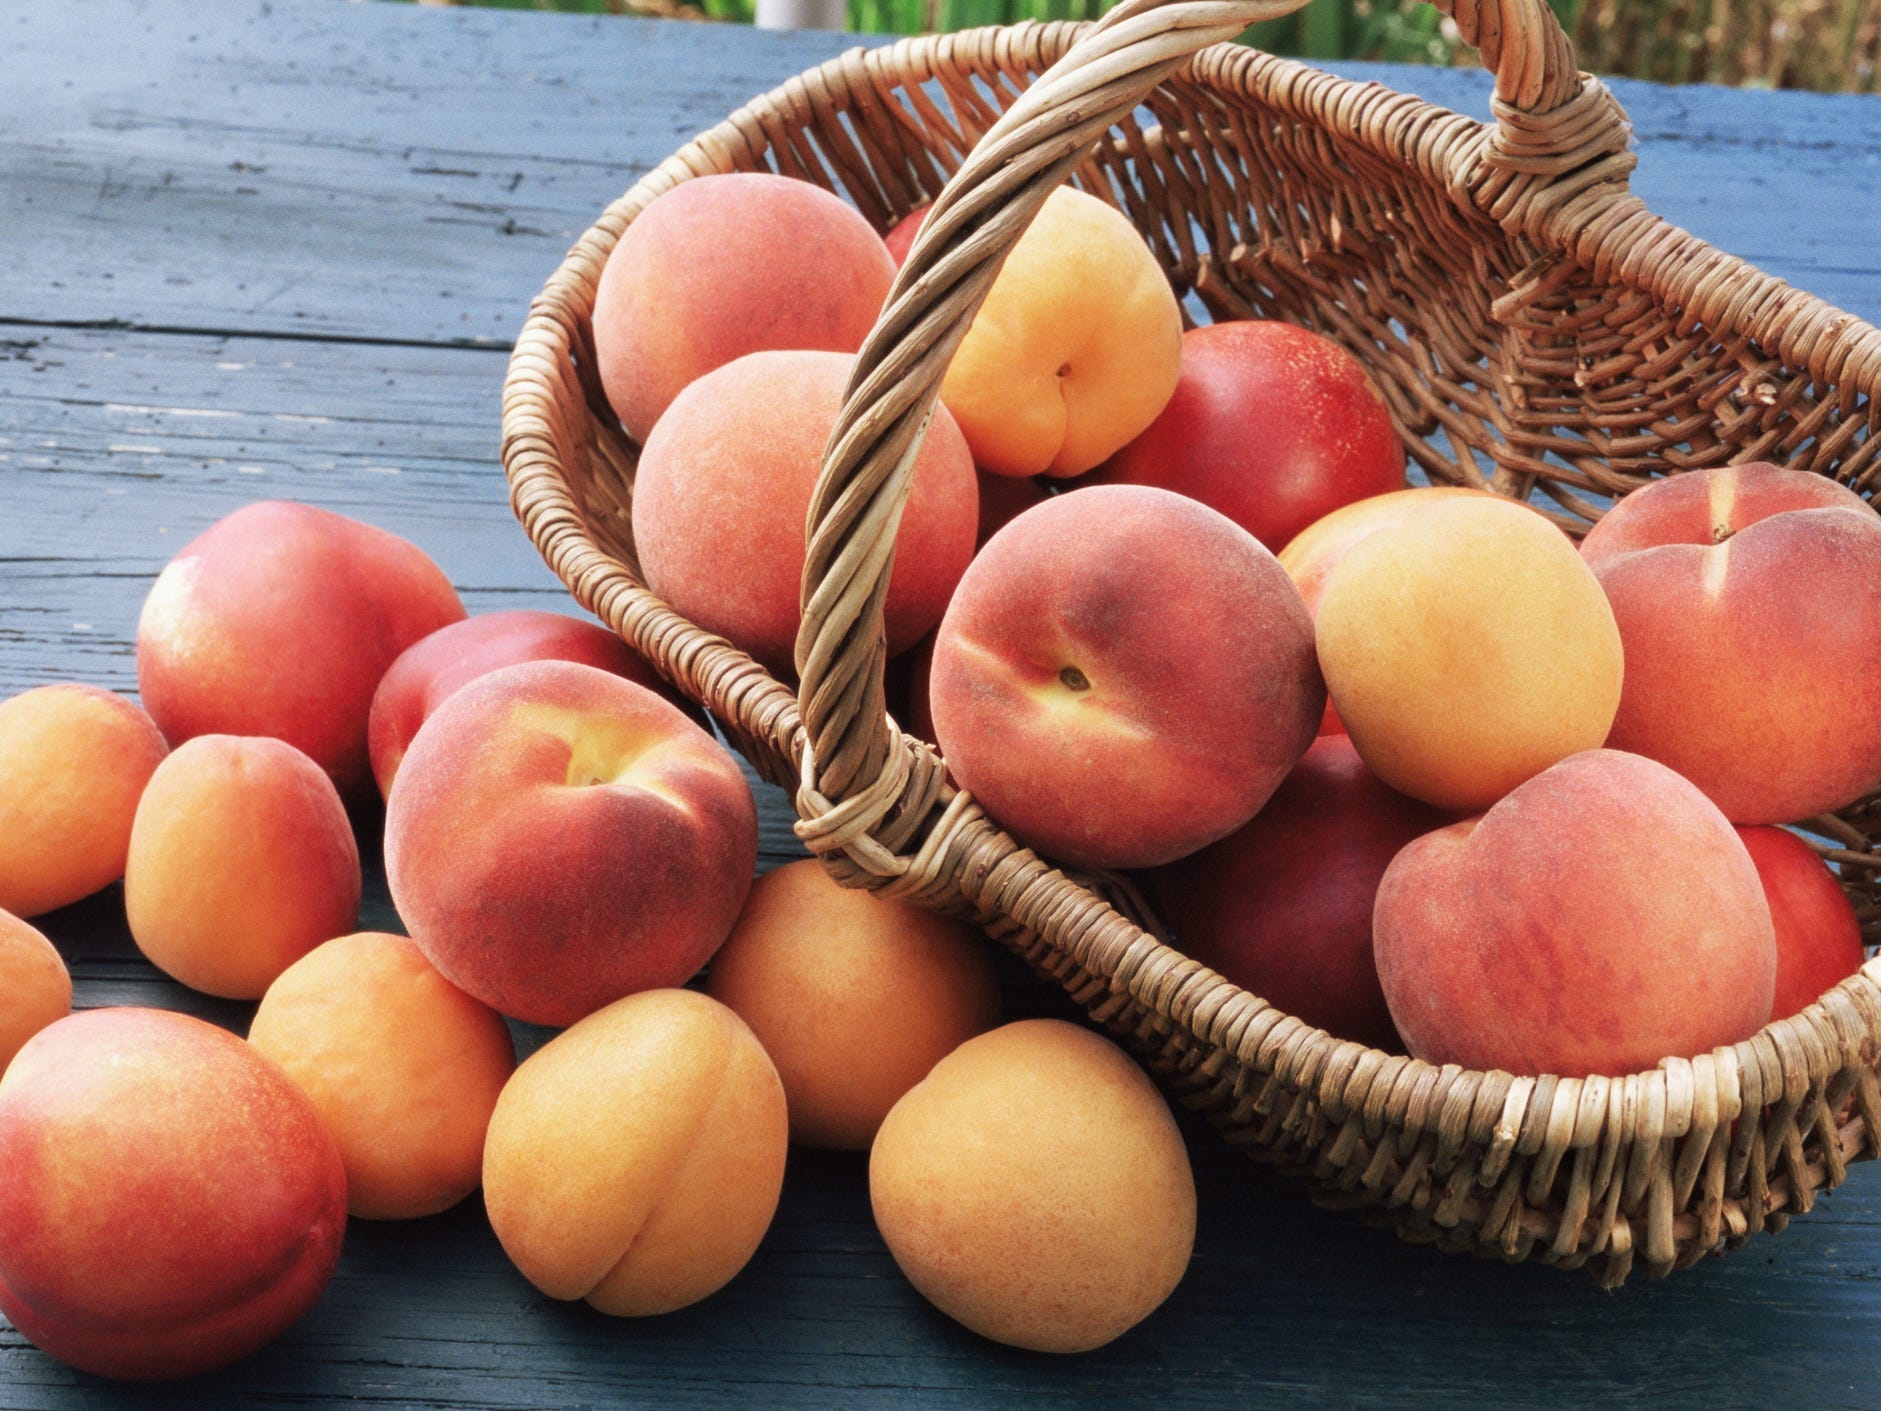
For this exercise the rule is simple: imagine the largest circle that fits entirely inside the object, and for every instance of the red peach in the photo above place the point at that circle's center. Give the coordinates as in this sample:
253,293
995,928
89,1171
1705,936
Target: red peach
35,986
900,238
1818,939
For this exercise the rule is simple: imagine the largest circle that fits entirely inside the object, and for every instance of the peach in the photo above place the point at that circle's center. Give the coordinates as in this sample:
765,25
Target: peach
1466,649
1035,1188
241,861
172,1201
1075,350
725,265
1003,498
433,667
726,479
35,986
1600,918
403,1066
854,997
1283,906
900,238
1123,676
279,620
635,1160
1274,425
1818,939
558,837
73,761
1745,671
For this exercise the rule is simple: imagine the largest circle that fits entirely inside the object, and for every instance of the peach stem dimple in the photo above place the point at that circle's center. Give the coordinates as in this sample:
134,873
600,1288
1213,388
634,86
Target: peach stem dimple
1722,495
1074,680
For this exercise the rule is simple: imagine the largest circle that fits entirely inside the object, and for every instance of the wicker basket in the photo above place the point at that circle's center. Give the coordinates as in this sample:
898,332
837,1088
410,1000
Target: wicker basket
1534,329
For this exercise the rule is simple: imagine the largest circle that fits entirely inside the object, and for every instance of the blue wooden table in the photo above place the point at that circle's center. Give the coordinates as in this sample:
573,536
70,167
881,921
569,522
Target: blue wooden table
251,248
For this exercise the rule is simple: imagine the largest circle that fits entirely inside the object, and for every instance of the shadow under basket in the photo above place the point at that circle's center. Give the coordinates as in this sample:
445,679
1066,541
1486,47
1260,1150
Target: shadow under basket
1534,329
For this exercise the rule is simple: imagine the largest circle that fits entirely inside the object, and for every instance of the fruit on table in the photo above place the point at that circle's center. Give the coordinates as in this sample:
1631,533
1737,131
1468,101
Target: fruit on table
1744,672
635,1160
1818,939
403,1066
1274,425
241,861
35,986
172,1201
73,760
854,997
723,492
1283,906
1601,917
279,620
725,265
1075,349
1466,648
1035,1188
1123,676
433,667
558,837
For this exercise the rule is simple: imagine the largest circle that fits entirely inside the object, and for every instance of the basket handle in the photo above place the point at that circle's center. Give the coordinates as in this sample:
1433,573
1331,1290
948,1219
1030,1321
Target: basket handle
854,761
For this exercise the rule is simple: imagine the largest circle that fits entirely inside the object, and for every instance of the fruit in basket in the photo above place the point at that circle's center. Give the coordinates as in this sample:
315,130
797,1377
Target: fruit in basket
558,837
172,1201
241,861
635,1161
1274,425
1075,350
725,265
1818,938
35,986
1743,671
723,491
900,238
1467,648
403,1066
430,669
855,997
1123,676
1035,1188
1283,906
1601,917
73,761
279,620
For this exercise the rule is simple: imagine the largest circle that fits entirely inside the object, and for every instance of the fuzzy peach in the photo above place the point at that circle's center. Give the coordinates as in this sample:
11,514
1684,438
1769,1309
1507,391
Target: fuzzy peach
558,837
900,237
855,997
1123,676
725,265
1075,350
403,1066
241,861
1467,648
35,986
1600,918
1035,1188
1819,941
635,1160
726,479
73,761
279,620
172,1201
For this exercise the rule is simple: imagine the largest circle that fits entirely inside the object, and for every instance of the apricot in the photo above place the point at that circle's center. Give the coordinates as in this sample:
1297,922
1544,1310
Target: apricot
73,761
241,861
171,1202
35,986
1467,648
1600,918
1818,938
1035,1188
854,997
1075,350
403,1066
725,265
635,1160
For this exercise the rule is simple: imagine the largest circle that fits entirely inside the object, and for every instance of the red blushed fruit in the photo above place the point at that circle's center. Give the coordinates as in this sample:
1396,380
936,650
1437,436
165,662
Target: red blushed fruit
1283,906
900,239
171,1202
1818,938
1273,425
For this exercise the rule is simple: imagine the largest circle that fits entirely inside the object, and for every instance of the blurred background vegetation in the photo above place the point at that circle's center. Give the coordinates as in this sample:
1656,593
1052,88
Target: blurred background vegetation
1827,45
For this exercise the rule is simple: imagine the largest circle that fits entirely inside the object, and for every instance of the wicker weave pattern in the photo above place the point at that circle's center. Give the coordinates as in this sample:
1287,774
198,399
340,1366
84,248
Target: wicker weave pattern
1534,328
